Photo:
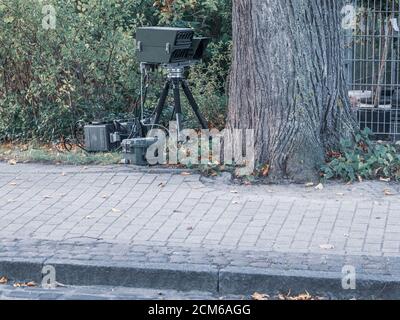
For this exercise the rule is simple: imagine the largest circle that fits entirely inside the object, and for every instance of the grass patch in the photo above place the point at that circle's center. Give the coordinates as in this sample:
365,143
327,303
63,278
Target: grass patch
22,153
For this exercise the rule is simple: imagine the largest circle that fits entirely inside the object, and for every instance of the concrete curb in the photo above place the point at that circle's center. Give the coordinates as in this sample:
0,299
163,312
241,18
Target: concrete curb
190,277
235,280
153,276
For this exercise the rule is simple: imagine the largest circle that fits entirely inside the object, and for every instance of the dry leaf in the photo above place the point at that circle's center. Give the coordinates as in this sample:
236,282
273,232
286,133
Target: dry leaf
47,197
25,284
115,210
301,297
319,187
186,174
265,170
260,296
12,162
13,184
3,280
162,184
327,246
389,192
234,191
104,196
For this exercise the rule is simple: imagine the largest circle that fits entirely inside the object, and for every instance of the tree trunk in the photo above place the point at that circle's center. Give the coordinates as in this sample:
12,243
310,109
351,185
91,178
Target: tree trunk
287,83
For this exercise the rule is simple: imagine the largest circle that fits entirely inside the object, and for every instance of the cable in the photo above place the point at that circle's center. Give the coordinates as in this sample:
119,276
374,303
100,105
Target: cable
75,136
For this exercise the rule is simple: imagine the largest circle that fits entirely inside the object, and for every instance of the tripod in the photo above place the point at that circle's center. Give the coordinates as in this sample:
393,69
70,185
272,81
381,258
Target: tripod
175,80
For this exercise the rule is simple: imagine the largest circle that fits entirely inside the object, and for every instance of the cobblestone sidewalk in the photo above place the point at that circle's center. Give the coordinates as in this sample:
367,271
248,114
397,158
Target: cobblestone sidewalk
119,205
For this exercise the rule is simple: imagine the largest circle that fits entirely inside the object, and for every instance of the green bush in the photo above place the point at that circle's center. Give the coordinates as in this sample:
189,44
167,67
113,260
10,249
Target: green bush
85,69
363,159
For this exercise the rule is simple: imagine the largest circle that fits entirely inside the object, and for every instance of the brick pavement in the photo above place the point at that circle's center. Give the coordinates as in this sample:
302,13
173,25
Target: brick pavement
120,205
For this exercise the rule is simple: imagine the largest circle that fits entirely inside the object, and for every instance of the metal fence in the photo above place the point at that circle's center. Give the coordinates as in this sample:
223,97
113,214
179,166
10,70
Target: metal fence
373,65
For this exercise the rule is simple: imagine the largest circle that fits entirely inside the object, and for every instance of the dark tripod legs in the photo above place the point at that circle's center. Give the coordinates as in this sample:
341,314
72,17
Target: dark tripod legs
194,104
178,106
161,102
177,113
177,100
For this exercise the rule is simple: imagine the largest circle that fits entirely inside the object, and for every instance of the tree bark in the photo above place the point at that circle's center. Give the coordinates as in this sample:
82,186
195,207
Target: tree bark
287,83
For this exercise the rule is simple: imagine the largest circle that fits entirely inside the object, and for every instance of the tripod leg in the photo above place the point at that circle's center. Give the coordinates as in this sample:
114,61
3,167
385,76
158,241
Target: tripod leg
161,102
178,107
194,104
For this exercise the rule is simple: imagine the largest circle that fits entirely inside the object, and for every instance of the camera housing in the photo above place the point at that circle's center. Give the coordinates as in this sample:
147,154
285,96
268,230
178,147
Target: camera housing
165,45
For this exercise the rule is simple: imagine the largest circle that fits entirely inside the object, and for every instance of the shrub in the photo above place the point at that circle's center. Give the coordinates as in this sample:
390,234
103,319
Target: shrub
363,159
85,69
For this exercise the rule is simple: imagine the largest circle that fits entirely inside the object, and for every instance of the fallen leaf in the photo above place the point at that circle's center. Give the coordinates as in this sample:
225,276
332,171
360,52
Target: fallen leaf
327,246
13,184
234,191
259,296
162,184
104,196
48,197
389,192
186,174
115,210
12,162
25,284
319,187
265,170
3,280
301,297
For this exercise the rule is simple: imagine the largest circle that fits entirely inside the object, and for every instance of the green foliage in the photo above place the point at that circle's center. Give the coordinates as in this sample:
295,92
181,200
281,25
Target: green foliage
85,69
363,159
44,154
